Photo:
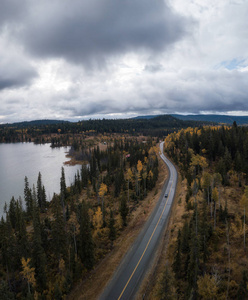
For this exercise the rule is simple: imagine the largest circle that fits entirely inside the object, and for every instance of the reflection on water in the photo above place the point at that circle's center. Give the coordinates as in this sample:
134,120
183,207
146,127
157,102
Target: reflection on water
27,159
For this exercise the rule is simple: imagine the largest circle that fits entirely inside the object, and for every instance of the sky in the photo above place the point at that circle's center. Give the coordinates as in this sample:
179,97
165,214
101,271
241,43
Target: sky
75,60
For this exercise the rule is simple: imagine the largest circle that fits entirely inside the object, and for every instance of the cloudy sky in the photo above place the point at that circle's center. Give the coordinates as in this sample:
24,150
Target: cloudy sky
83,59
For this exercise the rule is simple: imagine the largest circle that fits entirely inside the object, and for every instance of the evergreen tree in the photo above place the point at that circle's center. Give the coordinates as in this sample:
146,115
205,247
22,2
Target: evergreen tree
112,231
21,232
41,198
86,247
167,289
38,253
243,290
63,191
177,264
123,210
28,199
12,212
59,241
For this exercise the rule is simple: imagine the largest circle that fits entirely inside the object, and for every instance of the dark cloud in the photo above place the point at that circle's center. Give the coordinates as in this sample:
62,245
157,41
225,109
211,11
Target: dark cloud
16,81
12,11
16,73
89,32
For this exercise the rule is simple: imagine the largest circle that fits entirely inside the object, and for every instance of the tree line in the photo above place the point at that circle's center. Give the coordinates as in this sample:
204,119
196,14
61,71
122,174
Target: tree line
39,131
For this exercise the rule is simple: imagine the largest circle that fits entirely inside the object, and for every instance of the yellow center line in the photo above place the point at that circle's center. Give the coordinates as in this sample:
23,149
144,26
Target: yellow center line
147,242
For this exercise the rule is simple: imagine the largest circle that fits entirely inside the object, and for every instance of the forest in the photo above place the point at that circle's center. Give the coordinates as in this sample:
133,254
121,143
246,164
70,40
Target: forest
43,131
47,247
207,257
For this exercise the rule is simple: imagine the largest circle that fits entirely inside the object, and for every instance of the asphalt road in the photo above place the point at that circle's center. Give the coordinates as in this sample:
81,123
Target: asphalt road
129,275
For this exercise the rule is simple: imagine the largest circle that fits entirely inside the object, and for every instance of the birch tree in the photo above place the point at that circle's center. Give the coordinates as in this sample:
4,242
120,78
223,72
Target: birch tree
244,204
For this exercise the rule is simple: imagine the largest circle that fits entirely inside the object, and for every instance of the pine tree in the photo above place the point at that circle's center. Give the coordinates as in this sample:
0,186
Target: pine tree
63,191
28,199
123,211
177,264
86,247
38,253
8,248
112,231
41,198
59,241
167,289
243,288
21,232
12,212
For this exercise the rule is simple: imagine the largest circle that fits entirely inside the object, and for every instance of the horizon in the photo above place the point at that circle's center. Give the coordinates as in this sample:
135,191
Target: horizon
122,118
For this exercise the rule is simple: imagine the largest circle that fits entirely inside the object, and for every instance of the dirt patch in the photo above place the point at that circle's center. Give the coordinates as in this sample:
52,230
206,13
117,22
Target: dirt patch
92,287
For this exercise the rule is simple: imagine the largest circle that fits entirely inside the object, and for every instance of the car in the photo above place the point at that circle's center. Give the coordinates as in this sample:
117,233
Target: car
166,195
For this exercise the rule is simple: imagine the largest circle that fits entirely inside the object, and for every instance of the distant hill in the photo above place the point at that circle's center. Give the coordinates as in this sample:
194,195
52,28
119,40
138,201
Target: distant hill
26,124
154,126
145,117
240,120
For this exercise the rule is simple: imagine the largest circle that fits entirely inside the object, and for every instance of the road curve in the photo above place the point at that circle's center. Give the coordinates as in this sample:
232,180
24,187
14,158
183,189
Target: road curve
129,275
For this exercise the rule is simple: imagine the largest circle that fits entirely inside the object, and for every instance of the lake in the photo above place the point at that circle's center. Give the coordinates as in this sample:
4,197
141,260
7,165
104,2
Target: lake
27,159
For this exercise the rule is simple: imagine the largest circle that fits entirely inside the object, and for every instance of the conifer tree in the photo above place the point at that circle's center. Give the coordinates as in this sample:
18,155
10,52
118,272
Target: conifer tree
112,231
59,241
243,287
86,247
167,289
41,195
177,264
12,212
38,253
123,210
21,232
63,191
28,199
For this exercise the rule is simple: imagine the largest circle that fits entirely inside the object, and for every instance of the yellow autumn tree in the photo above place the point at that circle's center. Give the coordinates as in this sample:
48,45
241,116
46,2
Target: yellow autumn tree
244,204
197,162
152,154
102,191
28,273
98,220
207,287
74,229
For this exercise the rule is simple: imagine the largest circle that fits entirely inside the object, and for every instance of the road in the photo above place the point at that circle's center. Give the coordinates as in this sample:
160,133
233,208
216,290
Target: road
129,275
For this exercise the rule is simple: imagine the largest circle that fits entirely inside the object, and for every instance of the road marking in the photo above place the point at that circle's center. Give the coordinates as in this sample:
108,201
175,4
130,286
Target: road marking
147,243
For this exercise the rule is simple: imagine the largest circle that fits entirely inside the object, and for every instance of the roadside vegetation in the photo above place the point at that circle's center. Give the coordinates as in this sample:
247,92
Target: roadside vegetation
207,253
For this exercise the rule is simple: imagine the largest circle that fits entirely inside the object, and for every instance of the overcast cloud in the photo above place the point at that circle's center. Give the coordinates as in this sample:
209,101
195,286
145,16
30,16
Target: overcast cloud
107,58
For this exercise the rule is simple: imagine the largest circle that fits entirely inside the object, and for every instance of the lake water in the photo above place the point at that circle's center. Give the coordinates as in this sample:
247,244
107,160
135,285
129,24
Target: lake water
27,159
